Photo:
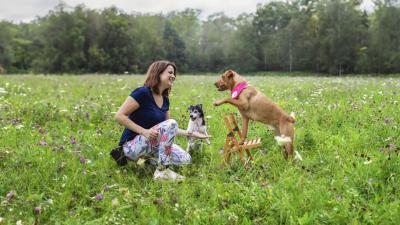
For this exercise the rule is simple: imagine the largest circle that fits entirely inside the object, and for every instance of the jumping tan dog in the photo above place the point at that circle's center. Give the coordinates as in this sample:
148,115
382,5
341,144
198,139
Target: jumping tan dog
254,105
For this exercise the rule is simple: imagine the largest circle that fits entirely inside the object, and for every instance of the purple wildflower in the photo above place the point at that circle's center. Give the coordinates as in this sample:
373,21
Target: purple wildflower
10,195
37,210
72,140
99,197
82,159
43,143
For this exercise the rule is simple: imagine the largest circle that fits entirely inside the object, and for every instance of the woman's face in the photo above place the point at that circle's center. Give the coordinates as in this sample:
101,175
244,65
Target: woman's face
167,77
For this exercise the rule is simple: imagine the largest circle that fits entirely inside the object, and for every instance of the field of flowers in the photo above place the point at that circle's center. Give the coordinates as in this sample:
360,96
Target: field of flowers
56,133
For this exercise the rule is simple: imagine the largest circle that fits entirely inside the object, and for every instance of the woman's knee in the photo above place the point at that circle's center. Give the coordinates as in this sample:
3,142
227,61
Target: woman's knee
171,124
179,156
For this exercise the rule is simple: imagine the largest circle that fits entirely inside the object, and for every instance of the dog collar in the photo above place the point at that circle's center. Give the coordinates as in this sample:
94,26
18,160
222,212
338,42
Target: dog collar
238,89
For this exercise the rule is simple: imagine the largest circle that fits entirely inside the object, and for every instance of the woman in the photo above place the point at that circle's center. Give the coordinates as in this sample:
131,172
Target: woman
149,131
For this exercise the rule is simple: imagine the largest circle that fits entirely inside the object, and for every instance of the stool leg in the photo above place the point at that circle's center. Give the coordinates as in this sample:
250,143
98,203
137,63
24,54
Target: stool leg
249,154
241,156
227,150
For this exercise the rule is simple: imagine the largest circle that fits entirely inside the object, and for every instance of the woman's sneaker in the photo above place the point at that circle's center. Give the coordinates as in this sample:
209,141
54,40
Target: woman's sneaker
167,174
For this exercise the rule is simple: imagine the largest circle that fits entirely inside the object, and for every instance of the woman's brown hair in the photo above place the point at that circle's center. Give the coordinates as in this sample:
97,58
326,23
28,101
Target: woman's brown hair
153,75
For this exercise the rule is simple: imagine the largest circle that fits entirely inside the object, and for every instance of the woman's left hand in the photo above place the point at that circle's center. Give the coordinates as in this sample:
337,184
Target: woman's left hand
200,135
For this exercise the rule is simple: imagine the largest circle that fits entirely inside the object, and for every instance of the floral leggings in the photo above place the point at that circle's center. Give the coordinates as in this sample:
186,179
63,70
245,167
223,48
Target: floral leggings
162,148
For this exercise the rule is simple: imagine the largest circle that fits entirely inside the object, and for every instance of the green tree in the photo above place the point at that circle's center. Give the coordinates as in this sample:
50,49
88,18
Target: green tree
241,53
384,51
7,33
270,19
174,47
187,25
340,33
214,40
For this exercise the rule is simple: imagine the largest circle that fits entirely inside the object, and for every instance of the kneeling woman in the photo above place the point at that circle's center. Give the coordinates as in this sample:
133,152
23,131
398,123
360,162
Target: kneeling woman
149,130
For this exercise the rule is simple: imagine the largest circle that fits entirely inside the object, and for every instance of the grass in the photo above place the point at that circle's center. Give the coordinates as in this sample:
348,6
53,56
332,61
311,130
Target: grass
347,131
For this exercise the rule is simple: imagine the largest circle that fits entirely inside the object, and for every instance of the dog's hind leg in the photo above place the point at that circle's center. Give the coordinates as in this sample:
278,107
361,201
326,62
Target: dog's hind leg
207,139
189,147
287,129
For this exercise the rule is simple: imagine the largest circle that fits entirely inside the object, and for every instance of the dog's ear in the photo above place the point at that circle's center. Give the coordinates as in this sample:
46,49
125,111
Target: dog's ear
189,108
229,73
200,106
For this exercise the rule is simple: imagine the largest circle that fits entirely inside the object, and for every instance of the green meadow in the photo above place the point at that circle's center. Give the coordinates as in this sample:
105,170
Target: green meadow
56,133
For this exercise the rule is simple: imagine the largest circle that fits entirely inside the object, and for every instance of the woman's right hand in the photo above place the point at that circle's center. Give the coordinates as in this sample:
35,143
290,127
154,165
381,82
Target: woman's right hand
150,134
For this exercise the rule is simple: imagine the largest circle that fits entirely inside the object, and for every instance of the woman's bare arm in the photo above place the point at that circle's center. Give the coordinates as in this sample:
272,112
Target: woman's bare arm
187,133
129,106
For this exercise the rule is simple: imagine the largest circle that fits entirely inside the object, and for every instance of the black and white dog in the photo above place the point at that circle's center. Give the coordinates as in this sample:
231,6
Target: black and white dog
197,123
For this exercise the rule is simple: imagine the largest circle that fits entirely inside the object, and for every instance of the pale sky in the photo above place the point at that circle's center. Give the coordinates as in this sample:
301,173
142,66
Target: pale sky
26,10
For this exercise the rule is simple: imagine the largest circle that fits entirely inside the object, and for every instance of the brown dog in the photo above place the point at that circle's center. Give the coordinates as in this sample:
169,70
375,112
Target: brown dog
254,105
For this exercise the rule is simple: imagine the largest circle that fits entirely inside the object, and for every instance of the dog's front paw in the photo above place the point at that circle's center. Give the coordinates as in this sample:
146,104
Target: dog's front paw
218,102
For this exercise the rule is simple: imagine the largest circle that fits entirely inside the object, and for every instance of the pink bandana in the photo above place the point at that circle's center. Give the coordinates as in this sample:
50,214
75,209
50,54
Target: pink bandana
238,89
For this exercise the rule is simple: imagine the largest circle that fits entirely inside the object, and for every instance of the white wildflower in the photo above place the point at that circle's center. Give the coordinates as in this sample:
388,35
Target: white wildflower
297,156
367,162
140,162
114,202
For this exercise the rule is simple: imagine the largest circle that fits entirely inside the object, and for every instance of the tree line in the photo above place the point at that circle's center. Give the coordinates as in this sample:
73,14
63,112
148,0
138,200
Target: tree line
322,36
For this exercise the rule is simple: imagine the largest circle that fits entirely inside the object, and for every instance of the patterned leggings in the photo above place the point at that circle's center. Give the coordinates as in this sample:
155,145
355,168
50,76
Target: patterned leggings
161,148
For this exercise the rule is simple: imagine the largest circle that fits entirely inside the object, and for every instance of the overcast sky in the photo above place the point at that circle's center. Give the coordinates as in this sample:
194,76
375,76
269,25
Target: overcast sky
26,10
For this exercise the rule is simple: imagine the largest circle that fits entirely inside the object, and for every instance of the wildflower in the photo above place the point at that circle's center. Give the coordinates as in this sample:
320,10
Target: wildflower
99,197
72,140
10,195
297,156
82,159
392,146
140,162
3,91
158,201
114,202
367,162
388,120
37,210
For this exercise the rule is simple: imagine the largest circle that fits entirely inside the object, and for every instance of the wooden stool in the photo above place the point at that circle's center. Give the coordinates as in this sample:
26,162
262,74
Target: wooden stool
233,145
